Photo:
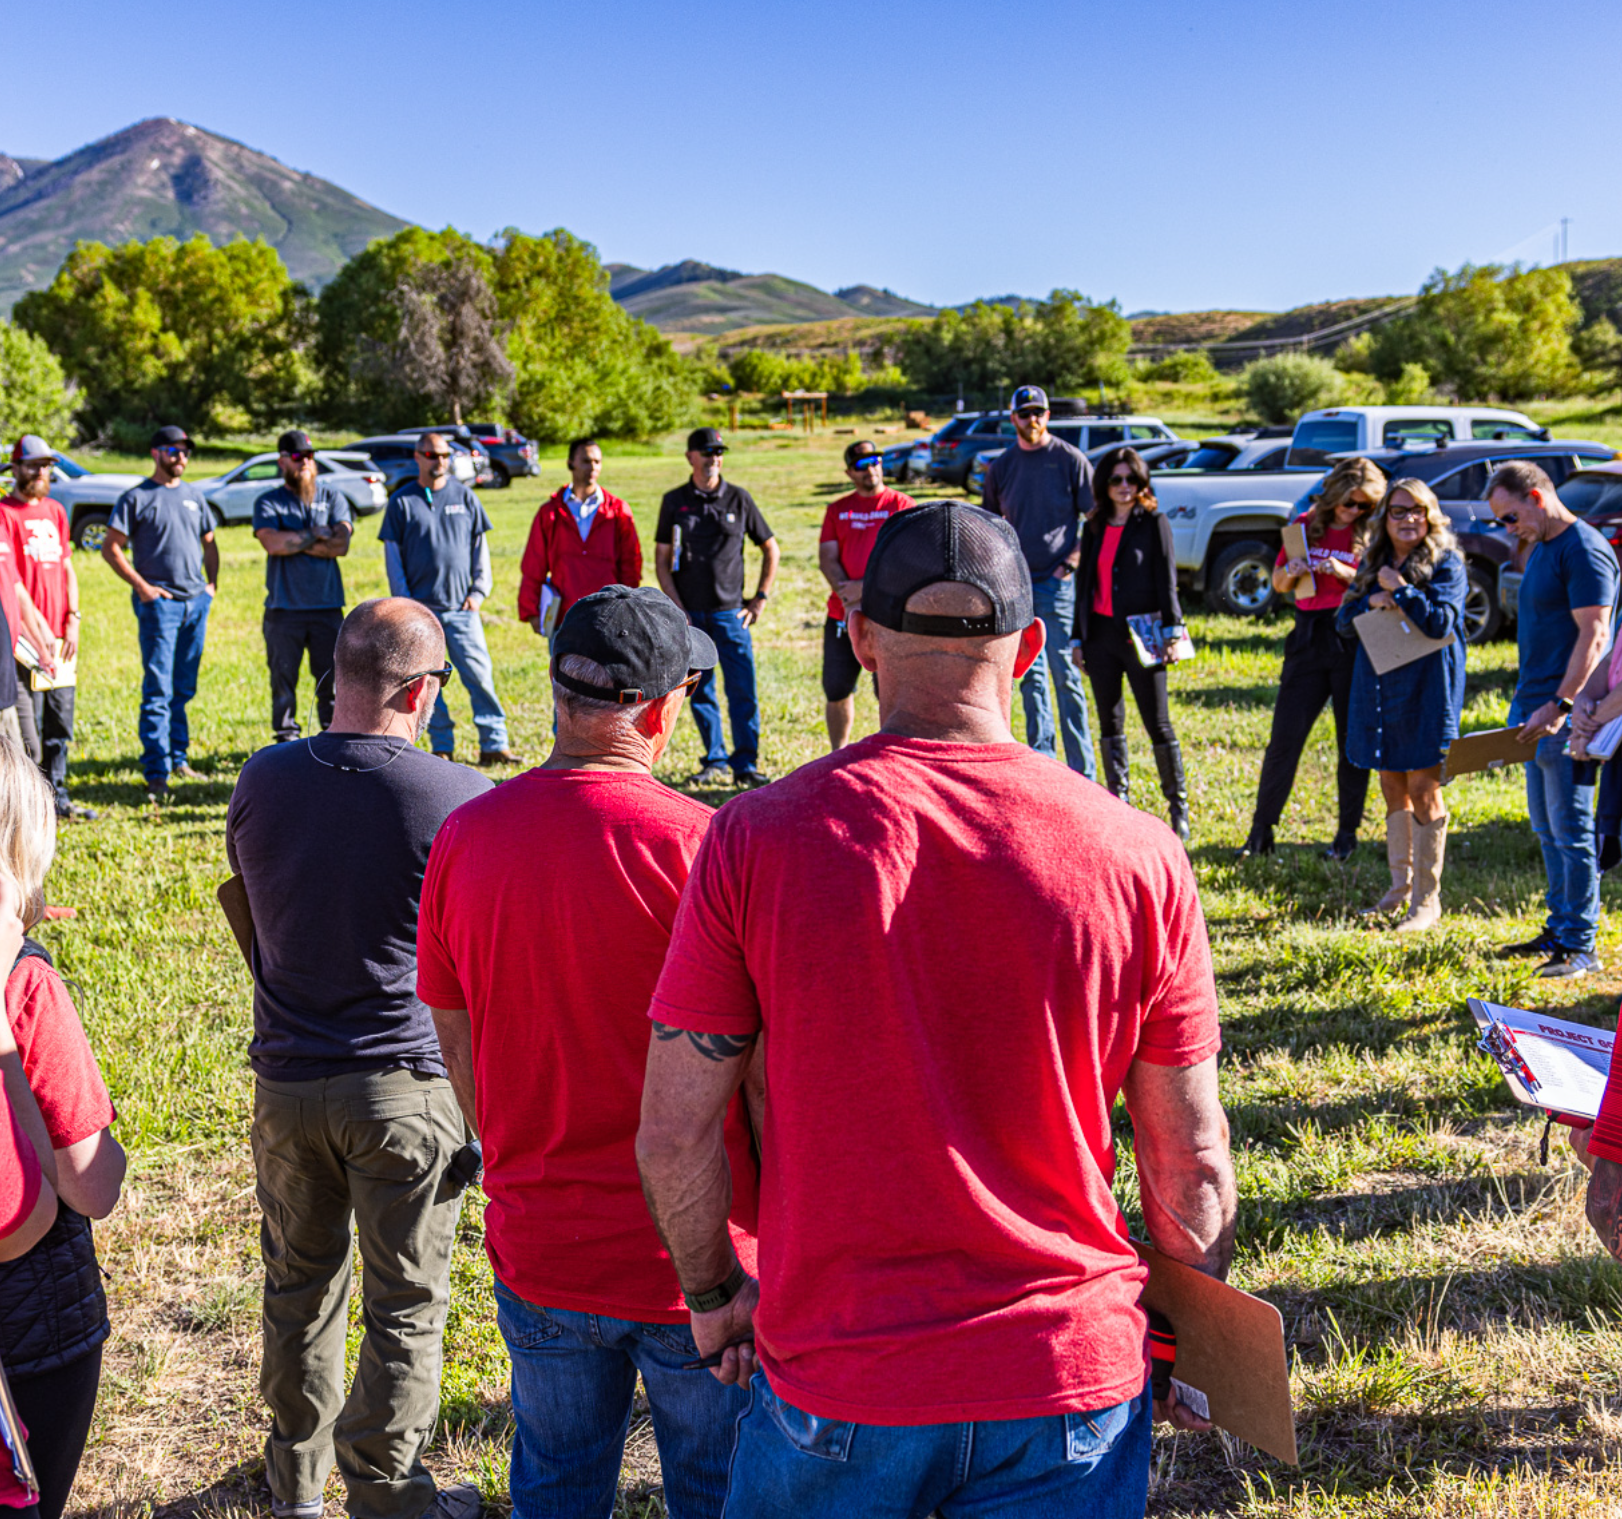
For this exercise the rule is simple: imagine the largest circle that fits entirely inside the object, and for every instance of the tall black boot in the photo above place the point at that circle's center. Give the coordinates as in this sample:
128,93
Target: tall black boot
1117,775
1169,761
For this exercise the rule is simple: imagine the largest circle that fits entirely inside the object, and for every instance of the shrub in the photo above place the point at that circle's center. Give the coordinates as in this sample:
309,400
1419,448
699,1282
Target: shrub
1189,367
1279,389
34,397
1411,386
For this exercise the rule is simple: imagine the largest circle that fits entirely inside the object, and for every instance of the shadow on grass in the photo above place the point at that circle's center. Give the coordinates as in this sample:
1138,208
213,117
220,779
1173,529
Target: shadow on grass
241,1489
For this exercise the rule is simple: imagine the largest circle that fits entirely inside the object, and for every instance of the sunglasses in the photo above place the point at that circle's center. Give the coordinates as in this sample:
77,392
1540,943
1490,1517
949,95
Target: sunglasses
175,449
872,461
1027,413
712,453
442,675
1115,480
1404,513
429,454
299,458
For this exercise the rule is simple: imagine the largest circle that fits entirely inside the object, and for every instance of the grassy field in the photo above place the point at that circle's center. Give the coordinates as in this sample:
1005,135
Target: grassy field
1454,1329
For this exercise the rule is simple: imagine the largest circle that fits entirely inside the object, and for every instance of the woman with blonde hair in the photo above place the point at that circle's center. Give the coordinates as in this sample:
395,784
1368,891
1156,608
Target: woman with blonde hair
1317,661
53,1310
1403,721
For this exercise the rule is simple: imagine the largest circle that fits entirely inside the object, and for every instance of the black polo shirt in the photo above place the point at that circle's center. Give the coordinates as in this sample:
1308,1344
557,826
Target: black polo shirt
707,531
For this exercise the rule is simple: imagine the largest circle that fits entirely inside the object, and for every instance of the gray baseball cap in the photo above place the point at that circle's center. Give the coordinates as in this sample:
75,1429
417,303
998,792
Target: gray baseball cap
32,448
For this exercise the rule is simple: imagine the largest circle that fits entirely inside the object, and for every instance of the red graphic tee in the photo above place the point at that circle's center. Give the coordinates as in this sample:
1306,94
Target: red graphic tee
853,522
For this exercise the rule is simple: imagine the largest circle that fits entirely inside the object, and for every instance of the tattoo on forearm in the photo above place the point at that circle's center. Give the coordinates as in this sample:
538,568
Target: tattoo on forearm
711,1046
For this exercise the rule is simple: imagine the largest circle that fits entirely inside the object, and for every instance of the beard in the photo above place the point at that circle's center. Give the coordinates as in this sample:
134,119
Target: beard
302,484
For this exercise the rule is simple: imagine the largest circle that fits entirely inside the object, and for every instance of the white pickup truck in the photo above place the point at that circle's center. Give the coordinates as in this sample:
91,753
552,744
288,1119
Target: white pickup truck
1225,522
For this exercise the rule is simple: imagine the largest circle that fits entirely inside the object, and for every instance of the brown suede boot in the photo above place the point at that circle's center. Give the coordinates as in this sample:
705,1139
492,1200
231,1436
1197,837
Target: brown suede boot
1425,910
1399,847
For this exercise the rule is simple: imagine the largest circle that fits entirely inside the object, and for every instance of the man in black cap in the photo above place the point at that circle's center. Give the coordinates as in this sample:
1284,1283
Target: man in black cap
849,527
947,1315
305,526
539,983
168,526
698,557
1044,487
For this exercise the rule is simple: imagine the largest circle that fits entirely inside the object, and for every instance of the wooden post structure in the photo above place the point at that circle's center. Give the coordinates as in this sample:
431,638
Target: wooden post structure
808,412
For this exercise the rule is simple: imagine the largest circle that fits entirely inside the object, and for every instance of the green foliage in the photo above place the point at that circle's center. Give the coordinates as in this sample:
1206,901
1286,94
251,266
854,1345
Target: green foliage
1065,343
1190,367
1279,389
34,396
1598,348
1356,354
1487,332
166,331
1411,386
766,373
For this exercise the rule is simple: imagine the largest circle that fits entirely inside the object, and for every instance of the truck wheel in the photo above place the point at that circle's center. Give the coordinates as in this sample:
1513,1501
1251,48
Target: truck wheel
501,476
90,532
1483,617
1241,580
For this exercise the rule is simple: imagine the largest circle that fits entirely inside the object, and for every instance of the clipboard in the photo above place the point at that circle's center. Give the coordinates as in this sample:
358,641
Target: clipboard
1391,641
233,898
1551,1064
1490,749
1230,1346
1295,547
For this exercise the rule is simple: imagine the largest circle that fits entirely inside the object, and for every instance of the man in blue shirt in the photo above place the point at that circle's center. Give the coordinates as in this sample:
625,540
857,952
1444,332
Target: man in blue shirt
168,526
1563,629
435,552
305,526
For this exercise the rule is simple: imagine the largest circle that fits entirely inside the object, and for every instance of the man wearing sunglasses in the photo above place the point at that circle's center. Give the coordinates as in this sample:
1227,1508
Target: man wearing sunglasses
435,552
698,557
172,570
539,982
305,527
1044,487
357,1139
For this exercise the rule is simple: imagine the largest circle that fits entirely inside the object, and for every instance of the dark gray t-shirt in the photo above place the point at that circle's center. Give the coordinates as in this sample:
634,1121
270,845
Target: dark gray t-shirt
438,536
333,860
301,582
166,525
1044,492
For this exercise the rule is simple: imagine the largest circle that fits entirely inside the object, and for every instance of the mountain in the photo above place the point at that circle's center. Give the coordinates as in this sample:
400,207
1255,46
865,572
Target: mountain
871,302
164,177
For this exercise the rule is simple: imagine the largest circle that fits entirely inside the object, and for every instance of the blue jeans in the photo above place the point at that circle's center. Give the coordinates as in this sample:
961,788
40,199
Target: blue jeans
1078,1466
171,637
468,652
1056,606
573,1377
737,650
1562,814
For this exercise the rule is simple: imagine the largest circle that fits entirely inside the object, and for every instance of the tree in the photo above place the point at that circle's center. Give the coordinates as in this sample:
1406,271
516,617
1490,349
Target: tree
1189,366
1487,332
1279,389
34,396
1598,348
166,331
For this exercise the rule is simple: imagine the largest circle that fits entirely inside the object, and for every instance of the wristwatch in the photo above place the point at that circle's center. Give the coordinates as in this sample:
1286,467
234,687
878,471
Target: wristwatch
718,1297
1565,704
761,596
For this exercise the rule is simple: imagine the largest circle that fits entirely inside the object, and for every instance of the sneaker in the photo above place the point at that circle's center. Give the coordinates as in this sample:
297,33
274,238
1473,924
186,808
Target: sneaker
1342,846
497,757
464,1501
1544,944
751,777
184,772
711,775
1564,963
73,812
310,1508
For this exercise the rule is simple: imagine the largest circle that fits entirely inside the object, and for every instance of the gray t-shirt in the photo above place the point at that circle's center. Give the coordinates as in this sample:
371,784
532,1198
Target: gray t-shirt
438,534
1044,492
302,582
166,525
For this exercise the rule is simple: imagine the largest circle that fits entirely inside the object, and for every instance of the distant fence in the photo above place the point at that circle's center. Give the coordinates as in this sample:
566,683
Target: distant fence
1324,337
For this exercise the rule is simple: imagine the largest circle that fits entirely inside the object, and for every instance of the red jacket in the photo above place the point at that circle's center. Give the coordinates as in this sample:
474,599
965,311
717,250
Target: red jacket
610,555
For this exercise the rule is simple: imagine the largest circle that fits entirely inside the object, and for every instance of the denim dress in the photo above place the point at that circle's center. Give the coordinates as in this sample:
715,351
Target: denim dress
1405,719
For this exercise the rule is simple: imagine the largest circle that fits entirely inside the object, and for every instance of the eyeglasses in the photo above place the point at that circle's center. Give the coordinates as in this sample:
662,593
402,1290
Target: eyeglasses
443,675
1030,413
692,680
425,453
299,458
1404,513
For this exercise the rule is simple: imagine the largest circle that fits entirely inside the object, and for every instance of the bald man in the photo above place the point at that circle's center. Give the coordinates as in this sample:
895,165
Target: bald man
356,1130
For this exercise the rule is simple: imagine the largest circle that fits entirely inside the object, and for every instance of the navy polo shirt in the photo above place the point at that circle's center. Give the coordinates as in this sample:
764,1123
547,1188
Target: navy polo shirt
166,526
438,533
302,582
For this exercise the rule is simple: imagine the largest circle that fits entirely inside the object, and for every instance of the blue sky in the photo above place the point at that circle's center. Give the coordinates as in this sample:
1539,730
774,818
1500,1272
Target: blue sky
1171,155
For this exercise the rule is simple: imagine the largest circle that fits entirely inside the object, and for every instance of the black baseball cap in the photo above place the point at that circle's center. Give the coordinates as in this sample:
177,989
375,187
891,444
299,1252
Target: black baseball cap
860,452
1028,396
639,636
947,540
294,442
701,438
170,437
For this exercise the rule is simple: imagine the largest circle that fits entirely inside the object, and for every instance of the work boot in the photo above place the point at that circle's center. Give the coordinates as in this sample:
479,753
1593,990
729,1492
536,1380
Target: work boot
1425,909
1260,841
1117,775
1399,854
1169,761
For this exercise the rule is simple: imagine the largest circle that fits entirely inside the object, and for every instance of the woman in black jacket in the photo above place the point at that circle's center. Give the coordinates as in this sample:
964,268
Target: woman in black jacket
1128,568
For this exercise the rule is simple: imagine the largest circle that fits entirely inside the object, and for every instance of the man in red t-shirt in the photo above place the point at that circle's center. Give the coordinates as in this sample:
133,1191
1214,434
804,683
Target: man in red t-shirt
581,540
37,530
947,1309
849,527
539,981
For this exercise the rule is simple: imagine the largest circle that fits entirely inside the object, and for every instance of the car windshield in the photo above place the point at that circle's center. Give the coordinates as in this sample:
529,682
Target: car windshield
954,429
69,469
1591,495
1210,456
1492,431
1314,442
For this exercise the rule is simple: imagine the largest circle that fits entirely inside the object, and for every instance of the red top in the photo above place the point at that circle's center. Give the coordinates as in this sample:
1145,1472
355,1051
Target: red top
853,522
1336,544
1605,1138
62,1072
546,913
610,554
38,531
938,1239
1104,586
20,1179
